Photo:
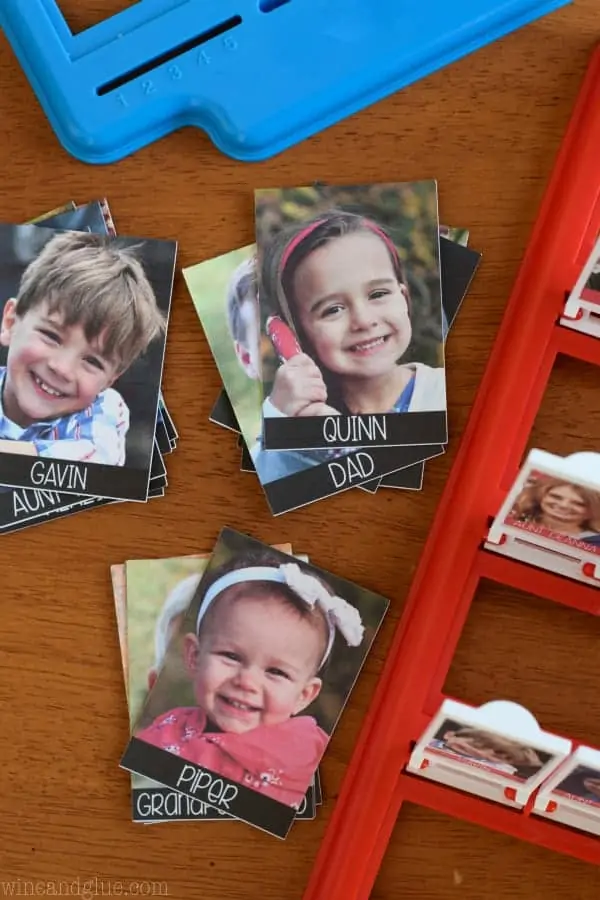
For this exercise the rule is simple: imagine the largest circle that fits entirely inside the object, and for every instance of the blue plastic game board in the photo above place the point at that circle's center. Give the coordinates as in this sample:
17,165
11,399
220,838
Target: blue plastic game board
256,75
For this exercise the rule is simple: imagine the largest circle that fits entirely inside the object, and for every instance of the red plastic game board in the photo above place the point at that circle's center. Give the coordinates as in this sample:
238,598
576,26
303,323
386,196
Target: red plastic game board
453,561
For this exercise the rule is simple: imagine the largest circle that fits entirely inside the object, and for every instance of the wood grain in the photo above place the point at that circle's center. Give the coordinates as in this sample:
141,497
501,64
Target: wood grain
488,128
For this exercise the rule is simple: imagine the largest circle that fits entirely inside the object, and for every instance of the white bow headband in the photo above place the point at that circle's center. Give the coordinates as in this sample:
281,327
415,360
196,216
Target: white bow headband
338,612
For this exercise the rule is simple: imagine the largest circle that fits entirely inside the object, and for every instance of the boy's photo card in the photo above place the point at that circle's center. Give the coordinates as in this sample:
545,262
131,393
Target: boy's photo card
497,750
351,318
151,597
271,648
571,796
551,515
582,309
82,340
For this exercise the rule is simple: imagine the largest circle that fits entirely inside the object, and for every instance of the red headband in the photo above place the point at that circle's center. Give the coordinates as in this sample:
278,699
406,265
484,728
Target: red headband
304,233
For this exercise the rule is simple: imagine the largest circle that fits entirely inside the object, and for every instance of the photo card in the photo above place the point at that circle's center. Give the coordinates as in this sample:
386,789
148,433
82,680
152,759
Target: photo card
351,317
272,647
80,376
224,293
151,597
551,515
571,796
582,309
497,751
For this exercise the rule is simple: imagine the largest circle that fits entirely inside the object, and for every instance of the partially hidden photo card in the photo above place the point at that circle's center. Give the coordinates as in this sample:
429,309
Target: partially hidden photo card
155,595
571,796
582,309
224,293
497,751
151,597
551,516
82,339
272,647
351,320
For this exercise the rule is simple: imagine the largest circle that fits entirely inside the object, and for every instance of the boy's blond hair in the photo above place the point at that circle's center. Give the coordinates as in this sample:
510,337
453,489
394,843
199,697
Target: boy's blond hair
93,282
242,288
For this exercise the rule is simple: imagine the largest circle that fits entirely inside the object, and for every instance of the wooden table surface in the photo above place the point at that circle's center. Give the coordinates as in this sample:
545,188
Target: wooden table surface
488,128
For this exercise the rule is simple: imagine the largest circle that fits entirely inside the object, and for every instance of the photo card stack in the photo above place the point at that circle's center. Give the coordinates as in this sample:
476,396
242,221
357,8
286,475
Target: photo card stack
225,292
151,597
271,648
582,309
82,419
551,516
497,751
572,795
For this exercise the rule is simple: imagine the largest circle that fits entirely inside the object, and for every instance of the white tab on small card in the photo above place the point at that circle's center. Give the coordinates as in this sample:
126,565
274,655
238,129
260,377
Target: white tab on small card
582,309
571,795
551,516
497,751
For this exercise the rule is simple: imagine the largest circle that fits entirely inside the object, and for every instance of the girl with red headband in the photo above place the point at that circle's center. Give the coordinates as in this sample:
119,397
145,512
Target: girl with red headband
339,284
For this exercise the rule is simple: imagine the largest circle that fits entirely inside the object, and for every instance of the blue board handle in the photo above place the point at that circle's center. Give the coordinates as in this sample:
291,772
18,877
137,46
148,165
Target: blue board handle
256,81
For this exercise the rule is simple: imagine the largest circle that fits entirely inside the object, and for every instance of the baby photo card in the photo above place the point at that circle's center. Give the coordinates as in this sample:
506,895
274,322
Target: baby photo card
551,516
272,647
571,796
582,309
350,316
151,597
497,751
80,372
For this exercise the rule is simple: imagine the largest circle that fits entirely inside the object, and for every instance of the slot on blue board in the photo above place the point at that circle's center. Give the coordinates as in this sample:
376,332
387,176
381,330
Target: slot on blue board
158,65
190,44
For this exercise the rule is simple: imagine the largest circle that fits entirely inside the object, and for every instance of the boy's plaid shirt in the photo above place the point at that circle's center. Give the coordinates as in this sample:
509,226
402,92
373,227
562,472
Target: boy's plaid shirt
95,434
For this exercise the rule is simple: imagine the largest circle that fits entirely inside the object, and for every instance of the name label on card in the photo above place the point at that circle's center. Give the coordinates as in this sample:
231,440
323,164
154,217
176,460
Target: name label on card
161,803
68,476
195,780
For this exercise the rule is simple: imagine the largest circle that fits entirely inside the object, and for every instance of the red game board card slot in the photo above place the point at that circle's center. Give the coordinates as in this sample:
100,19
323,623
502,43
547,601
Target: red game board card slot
517,823
373,789
575,343
531,580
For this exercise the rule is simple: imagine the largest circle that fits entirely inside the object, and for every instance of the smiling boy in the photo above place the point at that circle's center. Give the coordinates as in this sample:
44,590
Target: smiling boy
84,312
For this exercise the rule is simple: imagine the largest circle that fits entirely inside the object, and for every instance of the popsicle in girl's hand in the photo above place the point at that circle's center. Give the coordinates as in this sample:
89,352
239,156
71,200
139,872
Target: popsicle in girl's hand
299,388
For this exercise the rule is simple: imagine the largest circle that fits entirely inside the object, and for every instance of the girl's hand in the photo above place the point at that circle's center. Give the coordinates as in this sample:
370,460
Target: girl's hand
299,389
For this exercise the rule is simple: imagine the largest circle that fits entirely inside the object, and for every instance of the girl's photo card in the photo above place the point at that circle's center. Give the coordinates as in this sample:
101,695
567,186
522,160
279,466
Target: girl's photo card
271,648
582,309
572,795
497,751
224,294
82,338
551,515
223,291
352,351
